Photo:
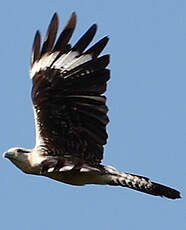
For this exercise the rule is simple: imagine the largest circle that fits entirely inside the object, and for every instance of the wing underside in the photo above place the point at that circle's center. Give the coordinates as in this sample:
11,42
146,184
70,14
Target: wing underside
68,87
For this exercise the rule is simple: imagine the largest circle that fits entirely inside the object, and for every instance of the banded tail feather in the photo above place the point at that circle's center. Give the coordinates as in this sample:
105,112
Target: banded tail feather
142,184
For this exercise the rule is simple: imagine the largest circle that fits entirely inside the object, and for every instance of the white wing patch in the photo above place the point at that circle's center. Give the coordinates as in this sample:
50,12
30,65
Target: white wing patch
41,64
65,62
78,61
66,168
70,60
39,140
51,169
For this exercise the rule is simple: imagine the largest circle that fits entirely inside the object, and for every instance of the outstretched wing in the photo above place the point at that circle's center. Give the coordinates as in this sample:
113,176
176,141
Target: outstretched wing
67,93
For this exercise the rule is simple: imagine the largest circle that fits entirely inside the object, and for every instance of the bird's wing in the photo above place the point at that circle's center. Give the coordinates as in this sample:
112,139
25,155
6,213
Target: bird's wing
68,87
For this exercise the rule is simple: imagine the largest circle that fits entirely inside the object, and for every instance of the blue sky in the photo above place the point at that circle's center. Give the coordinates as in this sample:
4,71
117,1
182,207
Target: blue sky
147,101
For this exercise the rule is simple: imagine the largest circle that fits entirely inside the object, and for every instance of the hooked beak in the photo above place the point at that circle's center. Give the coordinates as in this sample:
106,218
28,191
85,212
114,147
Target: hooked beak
6,155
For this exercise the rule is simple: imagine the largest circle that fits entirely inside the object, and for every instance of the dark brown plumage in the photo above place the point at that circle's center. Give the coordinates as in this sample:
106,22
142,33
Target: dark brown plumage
69,103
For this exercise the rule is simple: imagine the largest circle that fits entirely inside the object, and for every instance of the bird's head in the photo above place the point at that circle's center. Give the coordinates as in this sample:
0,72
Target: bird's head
16,153
18,156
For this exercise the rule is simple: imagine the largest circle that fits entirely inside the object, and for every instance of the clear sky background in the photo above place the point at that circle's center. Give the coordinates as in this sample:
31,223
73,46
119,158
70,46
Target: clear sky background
147,101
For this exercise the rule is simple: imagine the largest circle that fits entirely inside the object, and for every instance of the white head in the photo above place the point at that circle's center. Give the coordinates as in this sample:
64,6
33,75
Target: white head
19,157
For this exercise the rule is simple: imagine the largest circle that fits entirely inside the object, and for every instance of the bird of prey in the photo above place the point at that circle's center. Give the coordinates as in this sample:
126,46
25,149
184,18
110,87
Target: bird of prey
70,112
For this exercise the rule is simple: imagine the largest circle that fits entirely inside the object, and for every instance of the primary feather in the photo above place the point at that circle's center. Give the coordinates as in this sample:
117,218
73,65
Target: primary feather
71,115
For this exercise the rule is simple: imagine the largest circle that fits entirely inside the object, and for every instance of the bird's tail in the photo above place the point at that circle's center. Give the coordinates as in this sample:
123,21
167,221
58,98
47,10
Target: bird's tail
140,183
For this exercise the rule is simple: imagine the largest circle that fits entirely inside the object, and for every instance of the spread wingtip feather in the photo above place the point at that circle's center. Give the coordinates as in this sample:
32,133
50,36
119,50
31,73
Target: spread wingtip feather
50,35
36,47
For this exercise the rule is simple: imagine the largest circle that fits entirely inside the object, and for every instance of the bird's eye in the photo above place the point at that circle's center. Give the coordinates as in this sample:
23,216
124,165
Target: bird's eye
19,151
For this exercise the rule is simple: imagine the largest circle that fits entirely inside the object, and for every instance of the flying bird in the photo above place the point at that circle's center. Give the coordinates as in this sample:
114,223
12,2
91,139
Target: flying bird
70,112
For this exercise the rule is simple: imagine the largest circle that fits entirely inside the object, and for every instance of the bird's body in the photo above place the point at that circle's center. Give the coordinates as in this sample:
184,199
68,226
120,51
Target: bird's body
71,114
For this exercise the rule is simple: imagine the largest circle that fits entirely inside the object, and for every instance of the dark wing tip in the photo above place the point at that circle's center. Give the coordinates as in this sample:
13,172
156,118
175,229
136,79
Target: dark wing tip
54,22
50,35
72,21
97,48
93,28
36,47
66,34
85,40
54,19
55,15
105,59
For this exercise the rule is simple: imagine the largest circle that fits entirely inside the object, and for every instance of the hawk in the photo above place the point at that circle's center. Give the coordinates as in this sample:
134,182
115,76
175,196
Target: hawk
70,112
